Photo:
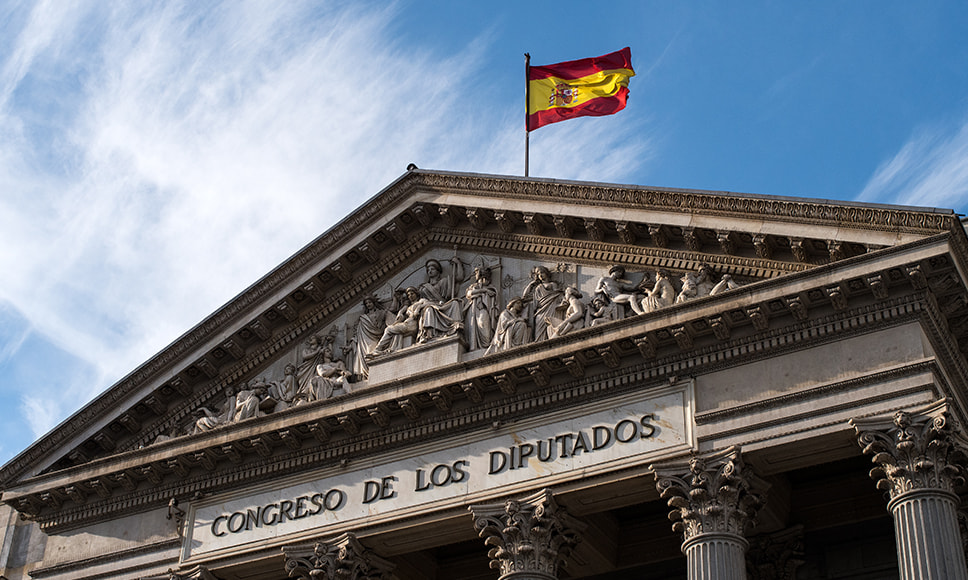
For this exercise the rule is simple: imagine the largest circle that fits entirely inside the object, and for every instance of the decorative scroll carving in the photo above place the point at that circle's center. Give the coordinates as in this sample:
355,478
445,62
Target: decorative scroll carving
762,246
530,537
659,235
339,558
691,237
727,241
198,572
708,494
626,232
912,451
799,250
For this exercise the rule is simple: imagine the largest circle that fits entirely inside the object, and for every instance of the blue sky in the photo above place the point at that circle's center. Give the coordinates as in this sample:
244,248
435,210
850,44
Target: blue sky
158,158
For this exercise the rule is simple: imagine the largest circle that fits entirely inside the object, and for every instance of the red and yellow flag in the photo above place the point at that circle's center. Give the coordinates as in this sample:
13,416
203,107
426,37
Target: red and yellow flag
578,88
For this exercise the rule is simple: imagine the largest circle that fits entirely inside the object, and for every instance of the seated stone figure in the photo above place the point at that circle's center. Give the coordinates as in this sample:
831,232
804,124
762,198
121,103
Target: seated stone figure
512,329
618,289
573,316
406,324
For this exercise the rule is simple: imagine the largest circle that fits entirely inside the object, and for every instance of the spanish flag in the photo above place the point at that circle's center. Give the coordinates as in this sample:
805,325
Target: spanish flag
588,87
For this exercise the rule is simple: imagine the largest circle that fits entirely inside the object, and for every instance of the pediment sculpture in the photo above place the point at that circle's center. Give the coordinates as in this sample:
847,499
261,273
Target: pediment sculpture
438,301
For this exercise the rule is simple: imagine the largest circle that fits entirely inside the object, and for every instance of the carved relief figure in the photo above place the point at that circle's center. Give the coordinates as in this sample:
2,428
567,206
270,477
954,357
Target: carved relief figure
512,329
369,330
618,289
701,284
601,311
206,420
545,295
247,401
440,314
285,391
661,295
406,324
310,356
330,375
439,287
574,314
480,310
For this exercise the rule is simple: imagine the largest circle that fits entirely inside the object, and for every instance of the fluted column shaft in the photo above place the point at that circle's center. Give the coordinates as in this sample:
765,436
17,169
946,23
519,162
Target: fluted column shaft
928,540
914,453
716,556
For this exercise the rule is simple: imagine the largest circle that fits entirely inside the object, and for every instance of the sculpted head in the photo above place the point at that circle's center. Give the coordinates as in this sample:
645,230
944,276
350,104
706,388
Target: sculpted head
617,271
482,274
542,273
516,306
412,294
433,268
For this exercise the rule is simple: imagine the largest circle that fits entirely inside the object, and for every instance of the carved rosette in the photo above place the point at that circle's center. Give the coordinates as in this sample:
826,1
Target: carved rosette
530,537
912,451
339,558
709,494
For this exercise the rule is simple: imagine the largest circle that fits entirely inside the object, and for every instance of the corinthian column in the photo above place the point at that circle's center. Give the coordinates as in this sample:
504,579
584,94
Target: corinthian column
712,504
531,536
913,456
339,558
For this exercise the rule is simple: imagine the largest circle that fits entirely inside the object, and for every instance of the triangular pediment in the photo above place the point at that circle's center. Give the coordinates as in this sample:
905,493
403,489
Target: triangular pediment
537,238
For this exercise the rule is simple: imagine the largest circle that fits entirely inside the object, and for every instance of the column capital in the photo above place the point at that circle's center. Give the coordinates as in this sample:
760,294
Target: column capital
531,536
709,494
339,558
913,450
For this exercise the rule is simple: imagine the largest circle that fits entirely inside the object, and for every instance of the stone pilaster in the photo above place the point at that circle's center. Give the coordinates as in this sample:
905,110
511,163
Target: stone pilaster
914,457
712,504
339,558
530,537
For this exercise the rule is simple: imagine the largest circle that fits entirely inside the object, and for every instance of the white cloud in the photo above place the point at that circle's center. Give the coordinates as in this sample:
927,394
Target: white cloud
156,160
930,170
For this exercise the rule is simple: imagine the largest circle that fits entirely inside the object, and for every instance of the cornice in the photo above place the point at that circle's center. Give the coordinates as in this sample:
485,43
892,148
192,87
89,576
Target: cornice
791,210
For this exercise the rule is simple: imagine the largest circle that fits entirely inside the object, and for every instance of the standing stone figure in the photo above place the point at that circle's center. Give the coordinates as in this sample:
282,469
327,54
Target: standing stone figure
369,330
545,295
480,311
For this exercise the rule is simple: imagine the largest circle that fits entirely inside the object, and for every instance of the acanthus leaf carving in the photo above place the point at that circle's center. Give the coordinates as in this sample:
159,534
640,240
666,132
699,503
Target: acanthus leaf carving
531,536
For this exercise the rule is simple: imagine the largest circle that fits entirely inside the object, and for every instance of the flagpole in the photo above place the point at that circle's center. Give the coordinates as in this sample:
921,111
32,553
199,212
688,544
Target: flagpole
527,109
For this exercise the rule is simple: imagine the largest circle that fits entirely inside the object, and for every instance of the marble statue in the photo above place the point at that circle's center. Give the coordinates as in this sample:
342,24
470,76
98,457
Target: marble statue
512,329
545,296
573,317
662,293
618,289
480,310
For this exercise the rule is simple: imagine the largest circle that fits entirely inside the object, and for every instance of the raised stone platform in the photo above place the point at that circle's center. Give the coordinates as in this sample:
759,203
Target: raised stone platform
418,358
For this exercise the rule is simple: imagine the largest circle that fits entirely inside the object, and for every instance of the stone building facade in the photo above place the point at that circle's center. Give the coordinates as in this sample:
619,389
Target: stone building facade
482,377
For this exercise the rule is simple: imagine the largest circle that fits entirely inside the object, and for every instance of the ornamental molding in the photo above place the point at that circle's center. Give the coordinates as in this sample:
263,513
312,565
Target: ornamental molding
914,450
427,424
529,537
158,547
861,217
340,558
708,494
